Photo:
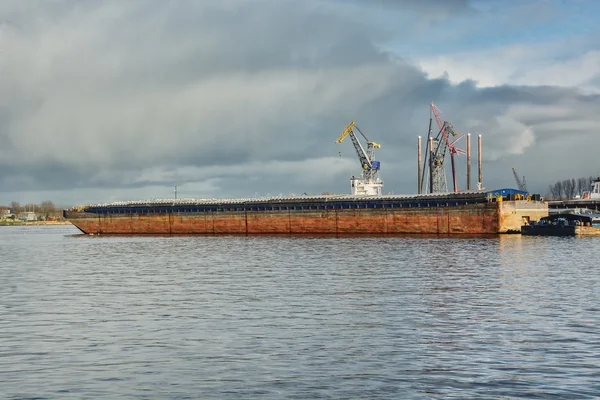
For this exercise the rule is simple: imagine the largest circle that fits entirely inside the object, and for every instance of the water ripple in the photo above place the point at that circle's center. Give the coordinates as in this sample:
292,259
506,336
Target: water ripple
297,317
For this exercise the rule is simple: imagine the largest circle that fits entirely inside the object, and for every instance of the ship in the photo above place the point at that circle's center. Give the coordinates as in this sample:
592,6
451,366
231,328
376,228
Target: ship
475,212
366,210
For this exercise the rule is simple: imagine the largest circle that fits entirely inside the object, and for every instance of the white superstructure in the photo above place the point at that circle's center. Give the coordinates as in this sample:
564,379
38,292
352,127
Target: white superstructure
361,187
595,192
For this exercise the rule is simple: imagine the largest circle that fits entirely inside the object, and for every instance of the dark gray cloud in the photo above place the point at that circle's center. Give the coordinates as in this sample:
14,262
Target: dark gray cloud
233,98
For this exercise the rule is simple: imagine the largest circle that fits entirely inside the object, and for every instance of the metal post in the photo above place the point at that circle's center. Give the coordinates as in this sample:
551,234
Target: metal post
480,183
468,161
431,155
175,192
419,183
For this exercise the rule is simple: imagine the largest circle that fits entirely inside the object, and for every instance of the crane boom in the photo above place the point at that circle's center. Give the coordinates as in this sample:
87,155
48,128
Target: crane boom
362,154
346,132
521,183
437,116
445,127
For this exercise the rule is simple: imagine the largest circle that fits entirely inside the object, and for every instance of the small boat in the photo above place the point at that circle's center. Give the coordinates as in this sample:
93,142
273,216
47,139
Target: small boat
564,224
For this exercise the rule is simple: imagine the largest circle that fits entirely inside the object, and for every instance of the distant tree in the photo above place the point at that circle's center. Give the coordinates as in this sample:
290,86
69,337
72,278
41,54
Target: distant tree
556,190
30,207
15,207
47,206
583,185
568,188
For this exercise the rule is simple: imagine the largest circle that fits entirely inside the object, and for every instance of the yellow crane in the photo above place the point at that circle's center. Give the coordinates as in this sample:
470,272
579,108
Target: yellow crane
370,182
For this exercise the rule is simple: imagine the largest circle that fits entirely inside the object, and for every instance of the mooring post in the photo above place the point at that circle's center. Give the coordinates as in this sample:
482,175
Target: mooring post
468,161
419,182
480,183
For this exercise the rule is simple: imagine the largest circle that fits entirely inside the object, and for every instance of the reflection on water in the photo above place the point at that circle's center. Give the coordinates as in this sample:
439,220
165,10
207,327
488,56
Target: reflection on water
297,317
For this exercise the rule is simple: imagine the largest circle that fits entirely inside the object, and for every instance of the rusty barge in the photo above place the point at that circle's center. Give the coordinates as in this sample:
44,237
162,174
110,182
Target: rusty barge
473,212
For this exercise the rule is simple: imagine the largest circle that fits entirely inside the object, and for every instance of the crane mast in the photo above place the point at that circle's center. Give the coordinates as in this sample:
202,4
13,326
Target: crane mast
438,148
437,176
369,183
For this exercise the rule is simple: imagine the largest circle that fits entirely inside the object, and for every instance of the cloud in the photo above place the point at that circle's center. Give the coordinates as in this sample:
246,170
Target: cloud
518,65
427,7
555,58
232,98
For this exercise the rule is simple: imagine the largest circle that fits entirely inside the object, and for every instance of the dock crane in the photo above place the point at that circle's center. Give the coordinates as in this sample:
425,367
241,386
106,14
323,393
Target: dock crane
369,182
438,147
521,183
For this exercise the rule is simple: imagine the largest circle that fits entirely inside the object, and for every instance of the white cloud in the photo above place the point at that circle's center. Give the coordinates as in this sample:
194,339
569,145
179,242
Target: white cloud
528,65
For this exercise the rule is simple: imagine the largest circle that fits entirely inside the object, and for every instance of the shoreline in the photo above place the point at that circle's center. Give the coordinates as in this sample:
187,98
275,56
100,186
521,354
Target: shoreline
36,223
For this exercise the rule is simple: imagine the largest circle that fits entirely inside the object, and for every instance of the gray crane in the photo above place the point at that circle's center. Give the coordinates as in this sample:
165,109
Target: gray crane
521,183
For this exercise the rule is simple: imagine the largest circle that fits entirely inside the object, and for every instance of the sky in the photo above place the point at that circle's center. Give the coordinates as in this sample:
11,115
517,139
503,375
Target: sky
123,100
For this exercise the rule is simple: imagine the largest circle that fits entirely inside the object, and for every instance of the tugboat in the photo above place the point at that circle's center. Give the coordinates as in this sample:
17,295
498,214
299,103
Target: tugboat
564,224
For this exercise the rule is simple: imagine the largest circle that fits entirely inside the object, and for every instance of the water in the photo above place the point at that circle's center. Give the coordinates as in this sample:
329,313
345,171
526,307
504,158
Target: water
296,318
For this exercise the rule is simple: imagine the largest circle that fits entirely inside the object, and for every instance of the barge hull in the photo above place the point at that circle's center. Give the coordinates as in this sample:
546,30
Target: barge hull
478,218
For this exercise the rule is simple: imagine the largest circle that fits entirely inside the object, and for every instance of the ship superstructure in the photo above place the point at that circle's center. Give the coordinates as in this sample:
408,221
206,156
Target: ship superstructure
594,193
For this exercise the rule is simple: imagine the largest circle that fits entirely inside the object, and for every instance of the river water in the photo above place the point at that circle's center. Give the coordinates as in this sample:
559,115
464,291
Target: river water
95,317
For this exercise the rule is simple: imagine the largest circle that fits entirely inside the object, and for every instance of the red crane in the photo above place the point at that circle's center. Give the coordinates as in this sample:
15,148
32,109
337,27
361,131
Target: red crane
446,129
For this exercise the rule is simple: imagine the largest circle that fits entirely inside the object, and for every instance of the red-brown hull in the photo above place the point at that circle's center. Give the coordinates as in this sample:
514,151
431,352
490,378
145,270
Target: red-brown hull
483,218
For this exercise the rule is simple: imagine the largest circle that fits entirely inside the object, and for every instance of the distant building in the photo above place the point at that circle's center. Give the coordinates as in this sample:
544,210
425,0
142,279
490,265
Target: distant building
27,216
4,212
